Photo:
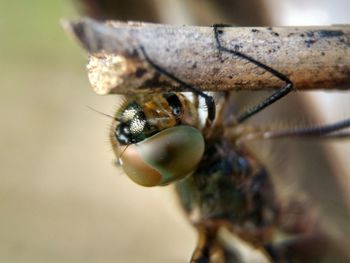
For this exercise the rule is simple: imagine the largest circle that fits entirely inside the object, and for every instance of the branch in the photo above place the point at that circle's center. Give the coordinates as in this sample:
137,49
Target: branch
312,57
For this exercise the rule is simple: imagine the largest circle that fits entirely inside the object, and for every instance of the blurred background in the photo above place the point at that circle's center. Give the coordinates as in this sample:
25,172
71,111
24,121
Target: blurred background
62,199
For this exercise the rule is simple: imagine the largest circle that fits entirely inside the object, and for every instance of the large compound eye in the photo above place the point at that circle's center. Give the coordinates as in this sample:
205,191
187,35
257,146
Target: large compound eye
164,157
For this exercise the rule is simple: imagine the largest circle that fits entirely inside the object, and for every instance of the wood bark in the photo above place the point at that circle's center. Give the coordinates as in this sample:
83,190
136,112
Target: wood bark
316,57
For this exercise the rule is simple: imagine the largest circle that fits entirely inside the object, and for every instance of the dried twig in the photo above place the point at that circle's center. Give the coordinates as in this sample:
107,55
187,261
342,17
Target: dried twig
312,57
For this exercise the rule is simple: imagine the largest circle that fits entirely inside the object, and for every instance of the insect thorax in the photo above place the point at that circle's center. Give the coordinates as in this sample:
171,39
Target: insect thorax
231,185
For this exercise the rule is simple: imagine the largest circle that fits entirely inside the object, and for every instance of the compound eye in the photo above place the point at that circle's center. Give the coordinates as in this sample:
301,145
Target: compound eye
164,157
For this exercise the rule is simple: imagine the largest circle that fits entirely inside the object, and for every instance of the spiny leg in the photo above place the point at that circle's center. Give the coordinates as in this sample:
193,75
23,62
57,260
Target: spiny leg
332,131
209,100
283,91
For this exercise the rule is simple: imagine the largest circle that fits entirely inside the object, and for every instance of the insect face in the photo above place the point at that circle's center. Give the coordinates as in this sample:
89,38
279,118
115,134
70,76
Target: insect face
154,140
143,116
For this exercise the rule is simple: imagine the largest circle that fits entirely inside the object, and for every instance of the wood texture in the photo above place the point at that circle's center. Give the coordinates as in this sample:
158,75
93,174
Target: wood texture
312,57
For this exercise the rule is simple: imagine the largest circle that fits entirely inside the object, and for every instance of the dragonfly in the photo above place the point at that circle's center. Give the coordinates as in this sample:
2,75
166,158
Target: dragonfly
159,139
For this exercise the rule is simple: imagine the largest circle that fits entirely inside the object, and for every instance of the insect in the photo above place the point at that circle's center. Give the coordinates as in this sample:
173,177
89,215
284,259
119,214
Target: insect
159,139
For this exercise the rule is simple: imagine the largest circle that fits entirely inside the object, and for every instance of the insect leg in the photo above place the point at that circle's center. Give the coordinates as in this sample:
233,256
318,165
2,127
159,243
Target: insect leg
283,91
209,100
208,247
323,131
319,131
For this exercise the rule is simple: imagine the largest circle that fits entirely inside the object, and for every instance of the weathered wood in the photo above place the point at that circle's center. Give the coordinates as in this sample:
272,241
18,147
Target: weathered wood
312,57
